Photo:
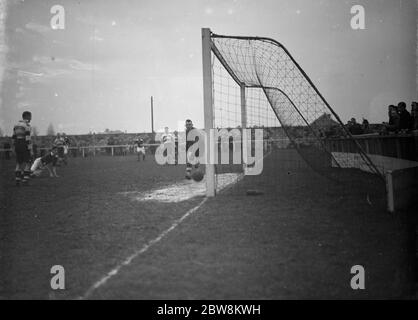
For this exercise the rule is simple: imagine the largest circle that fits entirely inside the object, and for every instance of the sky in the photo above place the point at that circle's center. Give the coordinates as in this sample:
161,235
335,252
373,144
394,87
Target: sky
100,71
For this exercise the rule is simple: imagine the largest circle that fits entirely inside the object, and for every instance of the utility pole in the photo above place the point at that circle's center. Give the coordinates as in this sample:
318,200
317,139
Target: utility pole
152,114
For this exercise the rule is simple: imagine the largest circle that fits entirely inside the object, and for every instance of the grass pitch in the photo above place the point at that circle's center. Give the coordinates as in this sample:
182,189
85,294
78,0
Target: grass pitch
299,239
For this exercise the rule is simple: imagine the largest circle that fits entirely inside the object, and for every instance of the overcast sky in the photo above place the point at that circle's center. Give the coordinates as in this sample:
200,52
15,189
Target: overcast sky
100,71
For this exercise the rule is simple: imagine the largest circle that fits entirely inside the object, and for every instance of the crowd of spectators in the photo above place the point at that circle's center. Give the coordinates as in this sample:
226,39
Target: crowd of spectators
356,128
400,119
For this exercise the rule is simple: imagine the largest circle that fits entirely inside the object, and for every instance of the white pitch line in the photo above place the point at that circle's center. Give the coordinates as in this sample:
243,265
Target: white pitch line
128,260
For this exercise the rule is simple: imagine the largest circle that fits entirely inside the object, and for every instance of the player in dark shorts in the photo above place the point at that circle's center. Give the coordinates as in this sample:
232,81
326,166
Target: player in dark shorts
59,143
23,148
66,143
189,166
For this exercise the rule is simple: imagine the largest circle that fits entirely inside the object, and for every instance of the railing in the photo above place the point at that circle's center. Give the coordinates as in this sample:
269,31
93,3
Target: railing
403,146
86,151
396,146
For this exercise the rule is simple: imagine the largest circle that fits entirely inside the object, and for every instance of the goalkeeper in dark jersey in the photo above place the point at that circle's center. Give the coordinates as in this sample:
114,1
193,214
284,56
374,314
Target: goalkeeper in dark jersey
23,148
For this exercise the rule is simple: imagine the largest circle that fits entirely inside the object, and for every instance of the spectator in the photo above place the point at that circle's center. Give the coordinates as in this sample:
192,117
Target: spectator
414,115
110,142
366,126
348,125
405,120
390,109
394,121
354,128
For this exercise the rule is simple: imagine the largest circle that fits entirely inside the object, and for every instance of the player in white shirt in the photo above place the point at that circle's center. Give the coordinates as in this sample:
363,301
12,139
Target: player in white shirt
140,148
168,139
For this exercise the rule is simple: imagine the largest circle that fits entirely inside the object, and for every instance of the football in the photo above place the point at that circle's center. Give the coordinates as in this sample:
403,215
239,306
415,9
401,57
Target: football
197,176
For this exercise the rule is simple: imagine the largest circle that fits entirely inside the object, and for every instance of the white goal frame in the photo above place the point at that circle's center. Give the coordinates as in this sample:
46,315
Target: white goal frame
208,105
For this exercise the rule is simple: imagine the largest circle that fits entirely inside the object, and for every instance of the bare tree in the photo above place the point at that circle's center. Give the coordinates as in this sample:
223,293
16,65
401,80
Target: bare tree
50,130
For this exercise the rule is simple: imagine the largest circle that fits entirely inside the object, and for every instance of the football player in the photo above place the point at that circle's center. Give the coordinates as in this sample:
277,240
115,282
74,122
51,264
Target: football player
140,148
167,137
23,148
169,143
189,166
66,142
47,161
59,144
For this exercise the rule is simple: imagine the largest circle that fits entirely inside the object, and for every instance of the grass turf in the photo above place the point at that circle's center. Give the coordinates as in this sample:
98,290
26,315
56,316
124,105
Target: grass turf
297,240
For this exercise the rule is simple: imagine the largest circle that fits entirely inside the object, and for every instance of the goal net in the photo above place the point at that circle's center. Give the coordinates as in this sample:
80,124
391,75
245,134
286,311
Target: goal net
253,84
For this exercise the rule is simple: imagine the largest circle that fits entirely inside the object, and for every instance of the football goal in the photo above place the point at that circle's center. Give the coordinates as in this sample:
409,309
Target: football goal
259,101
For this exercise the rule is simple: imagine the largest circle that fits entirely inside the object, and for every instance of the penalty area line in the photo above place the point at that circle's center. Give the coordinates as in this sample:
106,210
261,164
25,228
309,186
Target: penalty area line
137,253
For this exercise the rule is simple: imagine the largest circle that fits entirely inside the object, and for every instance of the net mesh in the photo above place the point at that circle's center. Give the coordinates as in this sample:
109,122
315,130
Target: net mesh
281,99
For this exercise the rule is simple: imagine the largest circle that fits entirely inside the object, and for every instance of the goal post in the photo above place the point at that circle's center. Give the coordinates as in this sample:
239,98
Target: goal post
208,110
254,84
243,124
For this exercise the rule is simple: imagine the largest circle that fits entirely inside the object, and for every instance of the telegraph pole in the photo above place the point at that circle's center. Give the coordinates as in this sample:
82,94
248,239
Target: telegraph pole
152,114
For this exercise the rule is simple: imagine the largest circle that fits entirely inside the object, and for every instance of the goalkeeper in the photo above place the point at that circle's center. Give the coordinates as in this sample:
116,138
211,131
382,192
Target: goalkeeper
189,166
